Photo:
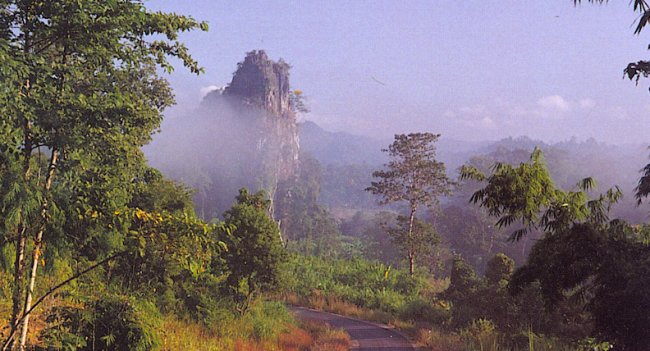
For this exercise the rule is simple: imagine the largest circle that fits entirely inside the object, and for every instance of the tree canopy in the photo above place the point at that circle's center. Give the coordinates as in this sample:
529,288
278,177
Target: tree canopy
80,95
526,194
414,176
583,257
255,251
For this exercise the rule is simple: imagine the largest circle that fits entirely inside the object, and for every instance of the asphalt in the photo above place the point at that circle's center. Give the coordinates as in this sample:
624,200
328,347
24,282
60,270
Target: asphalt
365,336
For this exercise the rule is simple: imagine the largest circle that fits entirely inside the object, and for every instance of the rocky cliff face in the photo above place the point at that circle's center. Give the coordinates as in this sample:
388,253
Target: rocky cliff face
256,113
263,83
244,135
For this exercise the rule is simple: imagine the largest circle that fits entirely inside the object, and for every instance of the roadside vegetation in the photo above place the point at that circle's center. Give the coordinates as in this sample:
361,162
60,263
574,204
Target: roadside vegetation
578,278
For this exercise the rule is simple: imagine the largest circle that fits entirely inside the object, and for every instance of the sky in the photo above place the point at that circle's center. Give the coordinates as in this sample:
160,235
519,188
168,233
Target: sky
471,70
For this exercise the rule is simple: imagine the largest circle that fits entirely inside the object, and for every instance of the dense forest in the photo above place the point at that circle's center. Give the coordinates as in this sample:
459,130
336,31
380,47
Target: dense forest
204,236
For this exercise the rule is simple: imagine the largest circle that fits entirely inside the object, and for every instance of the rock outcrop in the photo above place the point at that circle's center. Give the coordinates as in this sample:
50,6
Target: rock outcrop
243,135
263,83
261,144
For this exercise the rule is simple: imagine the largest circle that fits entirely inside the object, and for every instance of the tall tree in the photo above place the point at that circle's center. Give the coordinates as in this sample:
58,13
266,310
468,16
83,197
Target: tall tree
417,239
85,93
412,176
301,216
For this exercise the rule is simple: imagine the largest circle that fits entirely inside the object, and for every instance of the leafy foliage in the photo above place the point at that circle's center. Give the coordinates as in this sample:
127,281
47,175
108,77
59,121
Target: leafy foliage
526,194
255,252
413,175
643,187
607,268
499,269
474,298
111,323
81,96
419,241
582,260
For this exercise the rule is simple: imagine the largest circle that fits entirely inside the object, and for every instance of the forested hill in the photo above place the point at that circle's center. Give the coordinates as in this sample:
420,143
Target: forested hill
347,162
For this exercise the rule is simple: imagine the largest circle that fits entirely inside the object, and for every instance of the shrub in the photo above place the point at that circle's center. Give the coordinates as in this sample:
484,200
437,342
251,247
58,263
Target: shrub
481,334
425,311
112,322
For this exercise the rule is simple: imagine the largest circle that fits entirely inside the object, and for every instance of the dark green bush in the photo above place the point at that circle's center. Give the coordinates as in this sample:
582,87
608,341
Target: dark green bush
111,322
426,311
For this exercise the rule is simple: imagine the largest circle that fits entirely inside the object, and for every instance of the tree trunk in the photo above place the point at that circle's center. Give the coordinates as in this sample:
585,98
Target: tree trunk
38,246
19,273
411,249
5,345
21,239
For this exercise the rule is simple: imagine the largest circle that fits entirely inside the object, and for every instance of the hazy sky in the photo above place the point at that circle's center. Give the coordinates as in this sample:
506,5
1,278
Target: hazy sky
469,69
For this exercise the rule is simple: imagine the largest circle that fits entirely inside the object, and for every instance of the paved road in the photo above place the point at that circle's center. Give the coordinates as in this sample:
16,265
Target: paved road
365,336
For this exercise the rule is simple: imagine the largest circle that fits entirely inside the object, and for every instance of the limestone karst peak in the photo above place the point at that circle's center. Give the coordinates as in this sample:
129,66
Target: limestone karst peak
262,82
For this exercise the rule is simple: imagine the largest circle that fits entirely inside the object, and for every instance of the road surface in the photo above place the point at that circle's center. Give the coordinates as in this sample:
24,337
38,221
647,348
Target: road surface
365,336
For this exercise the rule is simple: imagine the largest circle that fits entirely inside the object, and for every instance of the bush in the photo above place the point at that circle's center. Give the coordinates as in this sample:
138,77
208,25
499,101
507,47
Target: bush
481,334
425,311
112,322
388,301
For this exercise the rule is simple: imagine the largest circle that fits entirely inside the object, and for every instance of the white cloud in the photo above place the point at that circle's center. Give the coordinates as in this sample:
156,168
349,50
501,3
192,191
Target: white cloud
478,117
549,117
537,117
206,90
473,110
554,102
488,122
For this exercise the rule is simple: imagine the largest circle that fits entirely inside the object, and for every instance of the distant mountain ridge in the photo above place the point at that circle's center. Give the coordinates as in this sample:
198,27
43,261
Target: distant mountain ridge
341,148
348,162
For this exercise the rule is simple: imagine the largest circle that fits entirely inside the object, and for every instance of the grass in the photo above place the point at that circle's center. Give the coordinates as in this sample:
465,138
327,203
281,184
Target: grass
334,304
326,338
296,339
481,337
179,335
357,288
378,293
184,335
437,340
